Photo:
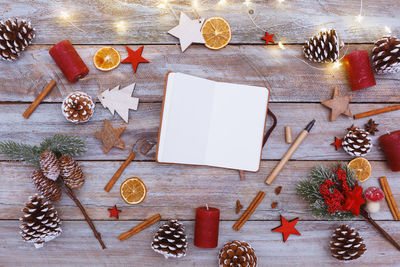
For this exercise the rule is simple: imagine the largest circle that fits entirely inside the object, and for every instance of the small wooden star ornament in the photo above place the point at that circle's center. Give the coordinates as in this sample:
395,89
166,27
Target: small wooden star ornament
287,228
338,143
338,104
110,136
188,31
135,57
114,212
268,38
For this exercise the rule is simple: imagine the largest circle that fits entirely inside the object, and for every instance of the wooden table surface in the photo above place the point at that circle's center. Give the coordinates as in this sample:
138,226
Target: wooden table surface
175,191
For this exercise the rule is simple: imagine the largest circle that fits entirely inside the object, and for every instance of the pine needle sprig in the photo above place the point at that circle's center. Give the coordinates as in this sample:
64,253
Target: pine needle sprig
64,145
309,190
21,152
58,144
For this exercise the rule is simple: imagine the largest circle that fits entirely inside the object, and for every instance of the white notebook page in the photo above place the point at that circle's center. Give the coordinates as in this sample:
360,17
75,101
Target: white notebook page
212,123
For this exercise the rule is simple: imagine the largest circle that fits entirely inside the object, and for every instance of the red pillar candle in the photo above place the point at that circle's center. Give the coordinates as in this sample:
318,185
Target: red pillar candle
206,227
69,61
390,144
359,70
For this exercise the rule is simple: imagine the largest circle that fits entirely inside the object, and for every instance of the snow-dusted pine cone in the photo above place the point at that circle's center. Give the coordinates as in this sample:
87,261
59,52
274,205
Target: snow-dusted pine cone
386,55
15,36
357,142
78,107
48,188
40,222
346,244
170,240
323,47
237,253
71,172
49,165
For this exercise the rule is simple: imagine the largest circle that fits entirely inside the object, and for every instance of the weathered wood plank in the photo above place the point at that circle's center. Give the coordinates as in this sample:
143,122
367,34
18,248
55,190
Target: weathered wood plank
76,247
291,21
290,79
48,120
175,191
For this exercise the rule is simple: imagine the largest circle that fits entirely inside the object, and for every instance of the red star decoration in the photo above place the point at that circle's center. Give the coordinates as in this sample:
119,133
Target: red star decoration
135,57
287,228
114,212
337,143
268,38
353,200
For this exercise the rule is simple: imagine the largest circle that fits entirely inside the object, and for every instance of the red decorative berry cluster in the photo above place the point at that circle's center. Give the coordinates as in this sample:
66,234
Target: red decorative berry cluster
333,197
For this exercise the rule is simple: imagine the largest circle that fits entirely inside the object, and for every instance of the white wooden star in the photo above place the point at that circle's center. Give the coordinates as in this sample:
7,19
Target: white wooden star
188,31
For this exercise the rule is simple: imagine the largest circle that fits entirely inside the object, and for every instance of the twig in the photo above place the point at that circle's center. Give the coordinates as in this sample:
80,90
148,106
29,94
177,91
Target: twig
72,195
365,214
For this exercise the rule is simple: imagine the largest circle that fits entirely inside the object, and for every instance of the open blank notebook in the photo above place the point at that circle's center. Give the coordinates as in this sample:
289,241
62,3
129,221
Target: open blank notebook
204,122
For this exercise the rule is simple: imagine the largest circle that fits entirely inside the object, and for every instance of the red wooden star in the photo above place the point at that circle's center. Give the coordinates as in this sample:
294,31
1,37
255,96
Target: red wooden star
287,228
114,212
337,143
268,38
135,57
353,200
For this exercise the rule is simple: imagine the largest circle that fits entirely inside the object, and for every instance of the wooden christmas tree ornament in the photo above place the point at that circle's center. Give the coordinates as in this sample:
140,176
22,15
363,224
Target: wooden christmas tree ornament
110,136
120,100
338,104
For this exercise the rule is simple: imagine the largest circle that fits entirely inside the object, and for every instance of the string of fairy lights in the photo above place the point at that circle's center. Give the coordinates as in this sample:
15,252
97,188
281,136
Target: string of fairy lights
121,25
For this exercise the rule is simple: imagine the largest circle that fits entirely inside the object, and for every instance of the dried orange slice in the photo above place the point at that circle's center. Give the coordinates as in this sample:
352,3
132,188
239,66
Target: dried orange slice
216,33
361,167
133,191
106,58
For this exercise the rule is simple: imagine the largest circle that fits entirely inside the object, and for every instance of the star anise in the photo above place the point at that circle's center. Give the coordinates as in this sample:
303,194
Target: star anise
371,126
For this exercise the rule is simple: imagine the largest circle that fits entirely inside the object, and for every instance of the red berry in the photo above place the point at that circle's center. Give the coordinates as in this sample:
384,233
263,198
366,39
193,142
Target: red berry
373,193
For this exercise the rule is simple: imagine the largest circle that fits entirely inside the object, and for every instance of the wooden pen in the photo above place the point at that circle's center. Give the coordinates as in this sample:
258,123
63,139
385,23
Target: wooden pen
289,153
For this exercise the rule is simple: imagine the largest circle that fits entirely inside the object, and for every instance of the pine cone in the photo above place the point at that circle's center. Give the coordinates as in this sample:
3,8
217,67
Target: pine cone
386,55
237,254
78,107
170,240
48,188
346,244
71,172
15,36
49,164
357,142
40,222
323,47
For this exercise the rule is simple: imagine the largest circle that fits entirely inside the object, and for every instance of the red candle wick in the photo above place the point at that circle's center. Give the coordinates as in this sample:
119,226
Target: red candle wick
206,206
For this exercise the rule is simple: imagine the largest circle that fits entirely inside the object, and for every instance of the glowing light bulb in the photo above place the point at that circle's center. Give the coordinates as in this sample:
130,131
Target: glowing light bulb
323,30
336,64
388,30
222,2
64,15
163,4
247,2
359,18
120,26
195,4
281,1
281,46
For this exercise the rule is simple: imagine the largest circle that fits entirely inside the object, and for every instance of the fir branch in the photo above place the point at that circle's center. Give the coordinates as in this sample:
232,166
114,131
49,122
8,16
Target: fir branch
64,145
20,152
309,190
58,144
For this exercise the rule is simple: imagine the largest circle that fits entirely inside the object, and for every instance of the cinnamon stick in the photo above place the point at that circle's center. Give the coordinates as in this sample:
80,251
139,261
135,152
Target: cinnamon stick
72,195
366,215
118,173
249,211
38,99
376,111
389,198
140,227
